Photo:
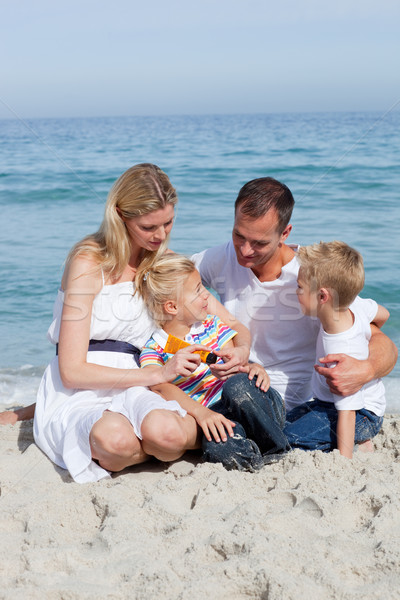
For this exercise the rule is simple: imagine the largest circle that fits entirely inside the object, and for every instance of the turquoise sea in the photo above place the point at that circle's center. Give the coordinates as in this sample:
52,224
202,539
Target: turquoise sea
343,169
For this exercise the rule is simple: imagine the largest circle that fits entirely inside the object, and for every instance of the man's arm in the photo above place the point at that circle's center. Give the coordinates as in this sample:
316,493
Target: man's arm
350,374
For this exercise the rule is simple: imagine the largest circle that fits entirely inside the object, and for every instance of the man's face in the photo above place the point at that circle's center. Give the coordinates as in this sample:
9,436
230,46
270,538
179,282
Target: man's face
257,241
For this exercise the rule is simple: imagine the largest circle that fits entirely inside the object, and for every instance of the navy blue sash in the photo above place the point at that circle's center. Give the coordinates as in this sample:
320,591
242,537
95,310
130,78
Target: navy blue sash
112,346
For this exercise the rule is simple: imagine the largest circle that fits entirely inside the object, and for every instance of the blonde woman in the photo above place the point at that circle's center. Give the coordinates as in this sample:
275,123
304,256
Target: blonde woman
94,412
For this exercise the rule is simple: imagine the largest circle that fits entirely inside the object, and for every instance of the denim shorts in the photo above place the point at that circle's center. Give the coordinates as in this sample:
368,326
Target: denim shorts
312,426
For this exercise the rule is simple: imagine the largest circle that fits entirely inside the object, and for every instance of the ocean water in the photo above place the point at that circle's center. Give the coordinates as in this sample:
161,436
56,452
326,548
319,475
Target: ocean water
343,170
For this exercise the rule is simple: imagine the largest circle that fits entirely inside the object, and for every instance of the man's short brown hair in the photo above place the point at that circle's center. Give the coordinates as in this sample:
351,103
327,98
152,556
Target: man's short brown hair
258,196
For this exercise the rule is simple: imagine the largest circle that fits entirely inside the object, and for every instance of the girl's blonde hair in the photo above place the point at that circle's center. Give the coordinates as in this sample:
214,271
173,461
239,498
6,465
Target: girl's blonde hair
139,191
163,281
333,265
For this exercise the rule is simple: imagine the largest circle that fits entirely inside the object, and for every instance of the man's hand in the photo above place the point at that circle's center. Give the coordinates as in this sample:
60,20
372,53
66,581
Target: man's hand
233,359
255,370
350,374
347,376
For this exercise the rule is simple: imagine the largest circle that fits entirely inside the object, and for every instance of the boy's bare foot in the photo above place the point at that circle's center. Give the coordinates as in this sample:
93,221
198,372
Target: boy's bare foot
366,446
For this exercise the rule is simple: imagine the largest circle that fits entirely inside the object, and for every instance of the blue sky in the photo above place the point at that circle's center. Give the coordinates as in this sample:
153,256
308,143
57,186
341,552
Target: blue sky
120,57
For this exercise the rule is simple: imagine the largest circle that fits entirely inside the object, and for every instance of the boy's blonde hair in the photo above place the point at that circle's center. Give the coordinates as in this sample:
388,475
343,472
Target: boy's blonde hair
163,281
333,265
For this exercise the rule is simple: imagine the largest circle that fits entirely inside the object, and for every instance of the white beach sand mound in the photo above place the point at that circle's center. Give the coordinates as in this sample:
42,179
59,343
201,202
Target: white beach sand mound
308,525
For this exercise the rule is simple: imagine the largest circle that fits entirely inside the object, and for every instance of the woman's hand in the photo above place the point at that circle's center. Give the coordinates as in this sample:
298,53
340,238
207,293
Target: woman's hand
254,370
184,362
213,424
233,357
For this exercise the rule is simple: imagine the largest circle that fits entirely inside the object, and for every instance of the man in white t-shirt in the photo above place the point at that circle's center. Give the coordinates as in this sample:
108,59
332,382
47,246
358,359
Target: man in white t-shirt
255,275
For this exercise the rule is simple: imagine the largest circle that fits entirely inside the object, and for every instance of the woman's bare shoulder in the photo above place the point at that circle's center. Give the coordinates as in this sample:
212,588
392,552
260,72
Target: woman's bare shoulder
83,270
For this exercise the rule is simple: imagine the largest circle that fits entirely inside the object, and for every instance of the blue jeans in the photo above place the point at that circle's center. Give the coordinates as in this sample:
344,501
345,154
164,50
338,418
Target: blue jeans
312,426
259,418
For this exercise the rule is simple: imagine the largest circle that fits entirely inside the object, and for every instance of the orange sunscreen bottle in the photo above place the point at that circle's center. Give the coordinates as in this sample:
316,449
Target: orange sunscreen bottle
174,344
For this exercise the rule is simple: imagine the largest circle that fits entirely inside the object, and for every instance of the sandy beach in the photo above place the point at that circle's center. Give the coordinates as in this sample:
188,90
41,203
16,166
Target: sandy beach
308,525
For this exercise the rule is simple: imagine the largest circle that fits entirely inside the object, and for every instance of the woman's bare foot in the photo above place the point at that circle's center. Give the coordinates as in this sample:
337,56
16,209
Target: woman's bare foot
10,417
366,446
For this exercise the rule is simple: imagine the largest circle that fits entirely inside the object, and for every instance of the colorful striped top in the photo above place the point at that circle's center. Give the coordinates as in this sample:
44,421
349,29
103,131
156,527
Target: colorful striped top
200,385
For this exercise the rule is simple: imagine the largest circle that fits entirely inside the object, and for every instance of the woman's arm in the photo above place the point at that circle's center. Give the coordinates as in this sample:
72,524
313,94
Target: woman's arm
82,282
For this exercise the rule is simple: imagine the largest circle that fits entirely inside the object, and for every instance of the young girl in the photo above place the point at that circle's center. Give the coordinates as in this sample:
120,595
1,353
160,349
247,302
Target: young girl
174,294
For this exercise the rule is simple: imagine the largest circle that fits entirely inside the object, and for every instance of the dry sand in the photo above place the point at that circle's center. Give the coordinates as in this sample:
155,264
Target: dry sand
307,526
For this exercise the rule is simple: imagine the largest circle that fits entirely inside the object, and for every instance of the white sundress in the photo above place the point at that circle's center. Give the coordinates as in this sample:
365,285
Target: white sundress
64,417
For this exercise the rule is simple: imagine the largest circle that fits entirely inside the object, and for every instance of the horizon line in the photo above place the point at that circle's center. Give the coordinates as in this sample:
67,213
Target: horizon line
208,114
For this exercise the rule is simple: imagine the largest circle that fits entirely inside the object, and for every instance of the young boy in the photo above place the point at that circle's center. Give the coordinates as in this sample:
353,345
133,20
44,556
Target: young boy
330,278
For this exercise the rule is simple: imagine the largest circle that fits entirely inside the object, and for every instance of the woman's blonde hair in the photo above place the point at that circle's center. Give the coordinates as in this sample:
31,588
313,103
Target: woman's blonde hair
333,265
163,281
140,190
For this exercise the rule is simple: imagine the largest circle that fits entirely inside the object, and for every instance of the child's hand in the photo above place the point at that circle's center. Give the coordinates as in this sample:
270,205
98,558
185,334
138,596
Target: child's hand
255,370
213,424
184,362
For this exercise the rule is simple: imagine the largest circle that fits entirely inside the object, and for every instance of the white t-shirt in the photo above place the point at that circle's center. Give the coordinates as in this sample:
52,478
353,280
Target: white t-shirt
353,342
283,339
